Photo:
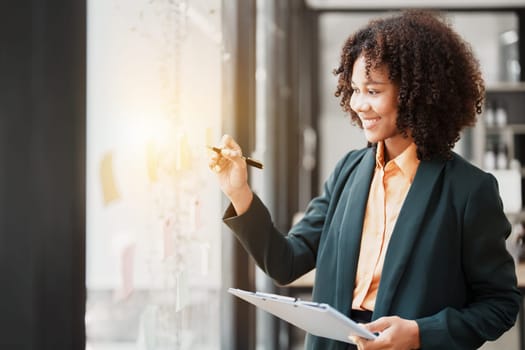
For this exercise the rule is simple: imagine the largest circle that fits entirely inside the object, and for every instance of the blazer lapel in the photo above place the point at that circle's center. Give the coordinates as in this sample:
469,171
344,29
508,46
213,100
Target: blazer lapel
351,229
408,226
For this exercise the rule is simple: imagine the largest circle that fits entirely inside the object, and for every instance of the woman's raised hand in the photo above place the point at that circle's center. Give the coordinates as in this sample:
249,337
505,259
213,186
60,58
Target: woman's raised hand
232,173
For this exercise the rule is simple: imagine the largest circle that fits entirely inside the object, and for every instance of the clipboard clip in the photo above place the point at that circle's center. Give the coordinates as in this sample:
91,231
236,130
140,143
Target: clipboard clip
277,297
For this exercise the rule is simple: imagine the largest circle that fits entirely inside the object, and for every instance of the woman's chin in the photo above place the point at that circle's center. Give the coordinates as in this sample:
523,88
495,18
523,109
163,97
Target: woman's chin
372,138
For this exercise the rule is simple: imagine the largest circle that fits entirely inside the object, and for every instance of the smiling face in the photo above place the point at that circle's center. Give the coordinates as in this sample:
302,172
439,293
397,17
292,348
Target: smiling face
374,99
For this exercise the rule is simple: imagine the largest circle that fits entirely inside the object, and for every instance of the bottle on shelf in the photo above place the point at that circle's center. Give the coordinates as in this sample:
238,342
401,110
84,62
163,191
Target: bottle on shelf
489,159
489,114
515,164
502,160
500,117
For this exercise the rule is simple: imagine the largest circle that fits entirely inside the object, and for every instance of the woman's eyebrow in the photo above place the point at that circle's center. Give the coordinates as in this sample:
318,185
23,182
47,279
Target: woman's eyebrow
370,82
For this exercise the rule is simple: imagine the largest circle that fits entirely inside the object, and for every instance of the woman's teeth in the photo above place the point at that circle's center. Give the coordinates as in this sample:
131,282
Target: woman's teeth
368,123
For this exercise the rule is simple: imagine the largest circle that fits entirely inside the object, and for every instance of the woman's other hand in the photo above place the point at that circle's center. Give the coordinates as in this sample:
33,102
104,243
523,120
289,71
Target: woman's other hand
395,333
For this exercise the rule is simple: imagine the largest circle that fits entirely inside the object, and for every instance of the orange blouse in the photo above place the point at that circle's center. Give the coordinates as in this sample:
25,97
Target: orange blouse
388,190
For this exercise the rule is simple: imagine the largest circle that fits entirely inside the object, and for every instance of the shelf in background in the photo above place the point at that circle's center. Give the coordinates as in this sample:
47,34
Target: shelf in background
511,128
505,87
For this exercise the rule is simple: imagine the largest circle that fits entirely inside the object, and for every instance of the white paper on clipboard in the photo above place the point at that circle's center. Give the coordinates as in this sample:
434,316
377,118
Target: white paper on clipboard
315,318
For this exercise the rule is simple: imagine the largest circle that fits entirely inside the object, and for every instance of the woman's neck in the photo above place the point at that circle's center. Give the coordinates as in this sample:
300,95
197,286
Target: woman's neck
394,147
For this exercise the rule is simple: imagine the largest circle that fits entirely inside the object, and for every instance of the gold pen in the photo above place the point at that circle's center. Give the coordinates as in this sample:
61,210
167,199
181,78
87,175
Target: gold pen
249,161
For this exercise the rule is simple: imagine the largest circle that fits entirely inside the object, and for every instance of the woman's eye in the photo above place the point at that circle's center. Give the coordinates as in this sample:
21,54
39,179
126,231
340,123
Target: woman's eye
373,92
355,90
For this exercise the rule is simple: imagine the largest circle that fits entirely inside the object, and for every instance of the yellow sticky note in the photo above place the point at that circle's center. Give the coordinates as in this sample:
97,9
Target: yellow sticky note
109,188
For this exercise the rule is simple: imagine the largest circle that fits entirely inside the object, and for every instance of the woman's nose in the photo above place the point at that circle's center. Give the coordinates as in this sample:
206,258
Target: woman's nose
359,103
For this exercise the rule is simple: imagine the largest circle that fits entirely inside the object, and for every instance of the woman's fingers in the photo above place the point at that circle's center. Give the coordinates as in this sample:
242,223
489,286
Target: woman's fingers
230,148
229,143
379,325
230,152
217,162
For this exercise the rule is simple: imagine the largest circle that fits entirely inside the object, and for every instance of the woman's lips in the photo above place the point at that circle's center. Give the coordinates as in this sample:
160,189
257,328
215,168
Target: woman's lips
369,122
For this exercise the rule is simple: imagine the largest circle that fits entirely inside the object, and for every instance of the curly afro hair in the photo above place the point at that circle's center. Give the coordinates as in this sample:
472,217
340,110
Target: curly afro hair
440,84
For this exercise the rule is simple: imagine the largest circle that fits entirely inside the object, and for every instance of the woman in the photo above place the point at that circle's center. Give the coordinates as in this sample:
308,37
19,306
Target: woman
407,234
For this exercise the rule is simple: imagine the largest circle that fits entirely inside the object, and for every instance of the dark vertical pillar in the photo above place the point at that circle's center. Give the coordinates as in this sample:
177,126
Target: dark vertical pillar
304,61
58,159
42,155
17,245
238,317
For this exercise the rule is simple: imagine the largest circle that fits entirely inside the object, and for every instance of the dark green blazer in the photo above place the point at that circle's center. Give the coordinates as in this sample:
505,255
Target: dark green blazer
446,266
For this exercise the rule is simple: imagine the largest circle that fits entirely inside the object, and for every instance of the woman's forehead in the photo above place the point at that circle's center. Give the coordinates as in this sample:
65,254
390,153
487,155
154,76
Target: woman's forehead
370,67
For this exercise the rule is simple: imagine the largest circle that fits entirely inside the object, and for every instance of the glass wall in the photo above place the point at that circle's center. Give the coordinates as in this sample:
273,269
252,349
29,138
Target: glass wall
153,227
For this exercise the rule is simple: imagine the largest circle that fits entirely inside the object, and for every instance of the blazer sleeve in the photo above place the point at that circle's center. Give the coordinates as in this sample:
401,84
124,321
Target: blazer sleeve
284,257
493,297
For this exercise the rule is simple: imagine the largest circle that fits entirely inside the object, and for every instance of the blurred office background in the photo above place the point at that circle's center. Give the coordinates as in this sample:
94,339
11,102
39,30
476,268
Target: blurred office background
111,221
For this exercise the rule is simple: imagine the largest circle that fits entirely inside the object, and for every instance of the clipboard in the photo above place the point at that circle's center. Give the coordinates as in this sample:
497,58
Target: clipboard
318,319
